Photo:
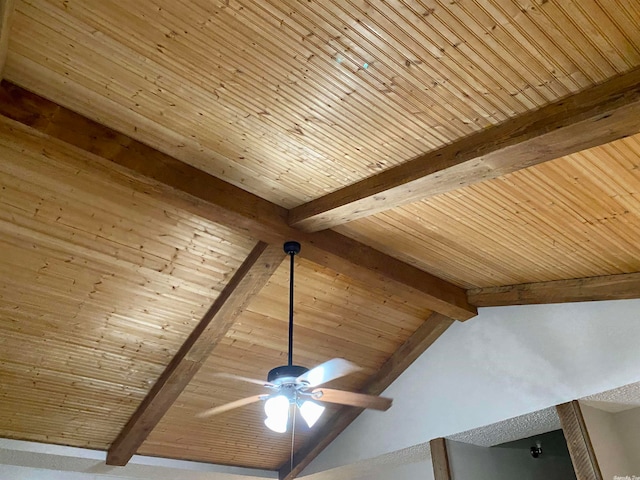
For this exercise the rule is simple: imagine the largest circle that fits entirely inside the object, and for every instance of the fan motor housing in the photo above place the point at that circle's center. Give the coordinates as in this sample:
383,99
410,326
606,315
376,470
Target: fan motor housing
286,371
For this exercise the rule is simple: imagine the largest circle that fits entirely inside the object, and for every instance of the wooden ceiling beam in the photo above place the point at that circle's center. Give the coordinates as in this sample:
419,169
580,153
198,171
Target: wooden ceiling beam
595,116
221,202
422,338
252,275
608,287
440,459
6,14
583,457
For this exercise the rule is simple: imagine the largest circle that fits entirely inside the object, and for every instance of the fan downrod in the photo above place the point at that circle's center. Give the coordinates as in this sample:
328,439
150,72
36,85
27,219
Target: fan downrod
287,374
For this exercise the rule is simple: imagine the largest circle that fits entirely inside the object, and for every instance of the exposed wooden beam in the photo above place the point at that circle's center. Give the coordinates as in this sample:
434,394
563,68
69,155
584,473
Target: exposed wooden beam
221,202
356,260
578,441
415,345
608,287
595,116
6,14
440,459
252,275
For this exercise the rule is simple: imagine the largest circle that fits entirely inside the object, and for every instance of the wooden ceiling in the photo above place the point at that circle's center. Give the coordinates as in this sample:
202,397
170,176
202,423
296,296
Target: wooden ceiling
332,314
274,96
156,154
577,216
101,285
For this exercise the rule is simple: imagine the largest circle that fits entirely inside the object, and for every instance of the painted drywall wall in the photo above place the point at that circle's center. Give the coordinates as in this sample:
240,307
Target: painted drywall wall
505,362
29,473
607,442
412,471
407,464
627,424
21,460
469,462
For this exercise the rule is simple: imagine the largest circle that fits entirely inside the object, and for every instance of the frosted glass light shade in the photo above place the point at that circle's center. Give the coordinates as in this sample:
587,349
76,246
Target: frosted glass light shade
277,410
311,412
275,425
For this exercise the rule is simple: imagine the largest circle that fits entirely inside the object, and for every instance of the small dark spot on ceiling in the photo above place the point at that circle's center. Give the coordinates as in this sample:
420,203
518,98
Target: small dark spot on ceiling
375,166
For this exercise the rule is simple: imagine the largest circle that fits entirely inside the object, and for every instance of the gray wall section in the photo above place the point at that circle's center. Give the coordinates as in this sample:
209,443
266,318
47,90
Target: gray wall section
412,471
616,440
469,462
628,426
607,443
553,443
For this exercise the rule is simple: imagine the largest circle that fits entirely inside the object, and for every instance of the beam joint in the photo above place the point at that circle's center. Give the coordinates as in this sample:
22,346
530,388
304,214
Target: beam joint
209,197
598,115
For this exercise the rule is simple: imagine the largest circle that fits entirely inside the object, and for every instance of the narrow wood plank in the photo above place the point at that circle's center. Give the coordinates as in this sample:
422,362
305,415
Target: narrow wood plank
214,199
578,441
440,459
422,338
607,287
6,14
595,116
252,275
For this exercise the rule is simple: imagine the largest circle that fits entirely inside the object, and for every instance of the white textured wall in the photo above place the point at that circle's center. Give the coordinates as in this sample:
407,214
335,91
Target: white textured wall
506,362
38,461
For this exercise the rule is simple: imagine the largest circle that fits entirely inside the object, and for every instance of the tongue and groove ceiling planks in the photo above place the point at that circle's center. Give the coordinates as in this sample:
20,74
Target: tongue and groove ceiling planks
164,140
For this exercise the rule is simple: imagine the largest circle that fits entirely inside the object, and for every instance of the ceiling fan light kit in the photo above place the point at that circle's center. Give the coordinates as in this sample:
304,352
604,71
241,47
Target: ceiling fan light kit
296,387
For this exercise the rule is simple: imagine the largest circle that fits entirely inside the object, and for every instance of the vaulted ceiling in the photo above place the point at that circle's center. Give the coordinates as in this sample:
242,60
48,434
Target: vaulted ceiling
431,157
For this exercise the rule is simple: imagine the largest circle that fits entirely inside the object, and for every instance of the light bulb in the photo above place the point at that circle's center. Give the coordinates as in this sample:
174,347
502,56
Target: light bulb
277,410
311,412
276,426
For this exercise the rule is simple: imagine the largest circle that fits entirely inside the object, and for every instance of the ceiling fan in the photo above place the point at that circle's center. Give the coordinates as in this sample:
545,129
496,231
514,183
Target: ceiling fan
294,386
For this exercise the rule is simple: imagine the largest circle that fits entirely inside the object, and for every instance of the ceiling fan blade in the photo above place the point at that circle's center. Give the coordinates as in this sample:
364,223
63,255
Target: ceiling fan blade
353,399
240,378
327,371
230,406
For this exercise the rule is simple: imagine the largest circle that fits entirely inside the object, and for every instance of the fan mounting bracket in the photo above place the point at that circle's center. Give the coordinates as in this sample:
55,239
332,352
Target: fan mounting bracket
292,247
